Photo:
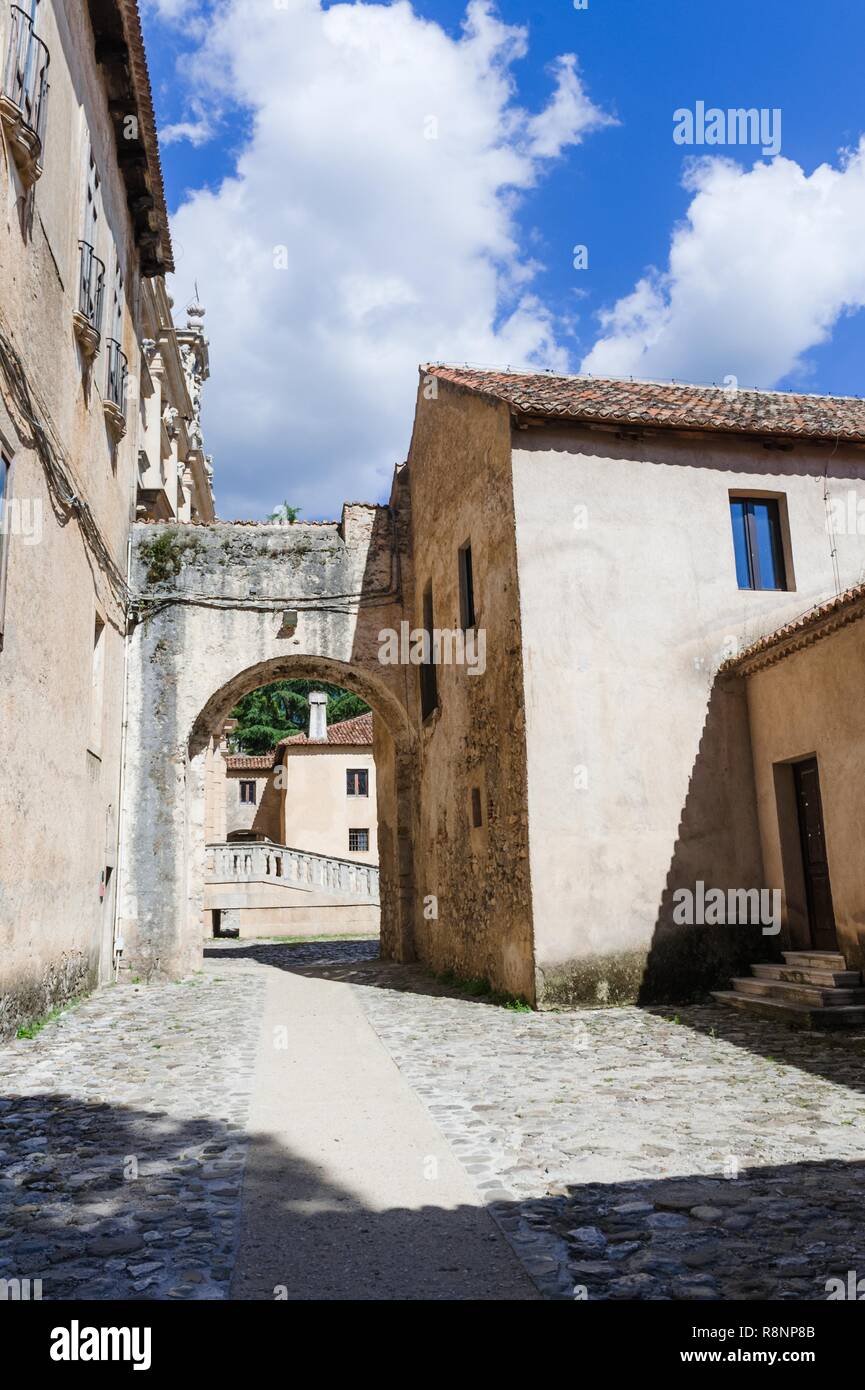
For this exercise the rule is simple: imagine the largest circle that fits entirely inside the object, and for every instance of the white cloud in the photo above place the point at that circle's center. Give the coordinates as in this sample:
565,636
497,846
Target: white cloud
758,274
386,159
196,132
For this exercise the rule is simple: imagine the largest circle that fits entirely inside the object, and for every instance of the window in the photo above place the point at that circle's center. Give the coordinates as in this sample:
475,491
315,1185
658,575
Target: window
91,202
467,588
247,793
91,280
477,813
25,79
115,381
97,685
758,543
357,781
5,489
358,840
428,685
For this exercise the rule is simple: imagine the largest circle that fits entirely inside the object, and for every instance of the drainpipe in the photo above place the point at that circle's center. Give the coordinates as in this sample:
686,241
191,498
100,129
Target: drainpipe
116,940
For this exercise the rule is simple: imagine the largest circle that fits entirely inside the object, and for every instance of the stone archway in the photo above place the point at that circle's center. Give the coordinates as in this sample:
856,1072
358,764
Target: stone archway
223,609
393,752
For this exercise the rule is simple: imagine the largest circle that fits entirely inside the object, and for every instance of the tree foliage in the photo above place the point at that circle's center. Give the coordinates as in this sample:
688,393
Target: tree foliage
278,710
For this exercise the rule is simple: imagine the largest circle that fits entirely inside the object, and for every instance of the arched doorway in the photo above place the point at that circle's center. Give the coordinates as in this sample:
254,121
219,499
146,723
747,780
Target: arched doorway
392,748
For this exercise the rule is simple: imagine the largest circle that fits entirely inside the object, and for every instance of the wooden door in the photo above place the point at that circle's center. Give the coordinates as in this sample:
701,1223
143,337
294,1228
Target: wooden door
815,864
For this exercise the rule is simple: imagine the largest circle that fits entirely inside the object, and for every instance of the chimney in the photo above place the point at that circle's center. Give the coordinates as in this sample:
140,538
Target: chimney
317,716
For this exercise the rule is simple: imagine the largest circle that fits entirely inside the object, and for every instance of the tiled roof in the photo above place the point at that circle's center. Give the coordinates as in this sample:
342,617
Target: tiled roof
349,732
248,761
649,403
803,631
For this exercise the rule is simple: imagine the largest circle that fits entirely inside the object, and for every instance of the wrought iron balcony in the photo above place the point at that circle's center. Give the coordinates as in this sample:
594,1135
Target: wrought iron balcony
117,370
24,98
114,403
91,290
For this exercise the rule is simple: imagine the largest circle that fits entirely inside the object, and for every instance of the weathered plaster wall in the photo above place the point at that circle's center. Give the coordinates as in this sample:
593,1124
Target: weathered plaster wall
213,632
59,783
810,704
639,769
459,470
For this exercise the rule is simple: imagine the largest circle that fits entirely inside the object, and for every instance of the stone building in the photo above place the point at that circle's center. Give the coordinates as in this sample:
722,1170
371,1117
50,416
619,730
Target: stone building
174,474
84,245
804,686
609,632
286,829
624,539
572,759
328,796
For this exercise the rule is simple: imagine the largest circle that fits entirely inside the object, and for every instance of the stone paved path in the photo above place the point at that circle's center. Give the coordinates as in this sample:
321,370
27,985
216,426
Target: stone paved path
625,1153
122,1141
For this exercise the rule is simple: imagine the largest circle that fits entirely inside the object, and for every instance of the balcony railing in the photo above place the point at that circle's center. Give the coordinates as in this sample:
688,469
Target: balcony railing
25,79
91,288
115,388
241,862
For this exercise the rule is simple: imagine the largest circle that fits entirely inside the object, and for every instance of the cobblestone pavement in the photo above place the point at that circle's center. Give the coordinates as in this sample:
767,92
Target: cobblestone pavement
690,1153
122,1141
607,1140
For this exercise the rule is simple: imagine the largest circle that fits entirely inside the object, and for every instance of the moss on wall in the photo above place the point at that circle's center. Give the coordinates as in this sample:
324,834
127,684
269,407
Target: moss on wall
167,553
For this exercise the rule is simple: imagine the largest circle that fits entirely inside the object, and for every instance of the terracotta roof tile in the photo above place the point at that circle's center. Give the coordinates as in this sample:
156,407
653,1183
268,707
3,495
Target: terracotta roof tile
349,732
661,404
802,631
248,761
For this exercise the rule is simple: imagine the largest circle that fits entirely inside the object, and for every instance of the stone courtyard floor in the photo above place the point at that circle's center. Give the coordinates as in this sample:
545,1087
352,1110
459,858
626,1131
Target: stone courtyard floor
305,1121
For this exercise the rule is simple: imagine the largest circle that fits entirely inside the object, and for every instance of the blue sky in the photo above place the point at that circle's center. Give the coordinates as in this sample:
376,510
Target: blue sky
765,283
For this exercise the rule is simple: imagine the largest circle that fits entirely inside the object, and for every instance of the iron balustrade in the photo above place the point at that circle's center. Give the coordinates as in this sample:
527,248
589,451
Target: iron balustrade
91,286
25,80
117,372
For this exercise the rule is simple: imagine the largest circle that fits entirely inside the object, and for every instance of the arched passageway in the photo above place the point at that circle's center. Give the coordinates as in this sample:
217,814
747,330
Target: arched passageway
392,751
229,608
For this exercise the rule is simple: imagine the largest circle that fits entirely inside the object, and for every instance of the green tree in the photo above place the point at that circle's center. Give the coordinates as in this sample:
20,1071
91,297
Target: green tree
284,512
280,709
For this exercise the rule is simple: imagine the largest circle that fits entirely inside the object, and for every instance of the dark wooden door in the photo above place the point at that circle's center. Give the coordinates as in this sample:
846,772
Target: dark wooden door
815,864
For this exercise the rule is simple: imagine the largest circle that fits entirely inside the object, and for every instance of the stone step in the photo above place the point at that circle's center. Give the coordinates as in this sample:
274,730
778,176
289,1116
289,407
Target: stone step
809,975
820,960
799,1015
800,993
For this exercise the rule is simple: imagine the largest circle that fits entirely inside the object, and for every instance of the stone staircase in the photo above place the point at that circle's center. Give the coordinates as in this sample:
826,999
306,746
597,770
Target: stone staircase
812,989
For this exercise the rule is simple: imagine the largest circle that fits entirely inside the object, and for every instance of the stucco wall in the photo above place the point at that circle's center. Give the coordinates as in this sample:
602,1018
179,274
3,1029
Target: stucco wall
639,769
810,704
459,471
59,786
318,813
264,814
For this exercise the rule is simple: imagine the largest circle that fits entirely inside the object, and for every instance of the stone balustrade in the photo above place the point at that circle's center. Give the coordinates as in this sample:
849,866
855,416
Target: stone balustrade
256,862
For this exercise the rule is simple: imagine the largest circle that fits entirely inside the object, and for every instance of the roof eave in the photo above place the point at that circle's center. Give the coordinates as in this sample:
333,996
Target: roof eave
119,50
